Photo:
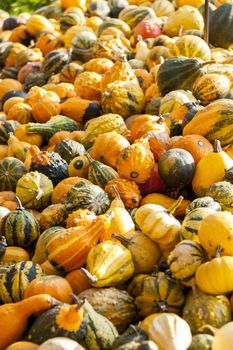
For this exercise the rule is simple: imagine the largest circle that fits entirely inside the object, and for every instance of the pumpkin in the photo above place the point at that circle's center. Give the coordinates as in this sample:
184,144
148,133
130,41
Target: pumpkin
78,281
6,127
176,168
99,173
11,102
217,310
17,148
54,214
16,279
68,149
79,166
11,170
56,286
44,109
7,199
221,161
175,101
22,135
58,136
145,252
60,343
17,315
76,243
223,337
201,342
87,85
222,193
192,222
105,270
121,314
37,23
82,45
72,17
159,293
20,227
70,71
163,8
63,90
34,189
159,224
98,65
15,254
143,124
219,18
80,109
184,260
54,61
134,15
27,345
136,162
21,112
123,97
7,85
190,46
47,42
127,189
3,246
60,191
203,202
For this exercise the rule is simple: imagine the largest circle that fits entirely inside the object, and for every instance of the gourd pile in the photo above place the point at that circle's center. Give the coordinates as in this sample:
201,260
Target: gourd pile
116,176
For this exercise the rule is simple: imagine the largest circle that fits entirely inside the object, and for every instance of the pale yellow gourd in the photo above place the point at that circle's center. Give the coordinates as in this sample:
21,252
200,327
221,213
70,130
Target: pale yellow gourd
170,332
223,338
17,148
159,224
60,343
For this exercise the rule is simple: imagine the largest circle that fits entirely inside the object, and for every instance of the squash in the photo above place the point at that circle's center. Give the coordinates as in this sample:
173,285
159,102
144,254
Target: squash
80,217
68,149
56,286
17,148
159,224
136,162
20,227
34,190
68,250
184,260
7,85
217,310
159,293
70,71
60,343
16,279
78,281
63,320
223,337
192,222
26,345
3,246
44,109
11,170
72,17
203,202
109,270
17,315
87,85
37,23
47,42
176,168
222,193
6,127
201,342
120,313
22,135
186,16
80,109
190,46
59,194
98,65
220,17
145,252
123,97
223,274
54,214
221,161
54,61
163,8
79,166
144,124
99,173
136,14
14,254
127,189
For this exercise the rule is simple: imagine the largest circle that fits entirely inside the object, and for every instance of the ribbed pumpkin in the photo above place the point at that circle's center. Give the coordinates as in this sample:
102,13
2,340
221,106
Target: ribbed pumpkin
68,250
192,222
109,264
20,227
34,189
127,189
123,97
144,123
16,279
98,65
190,46
118,307
99,173
87,85
134,15
70,71
85,196
159,293
68,149
47,42
184,260
136,162
44,109
21,112
163,8
211,87
203,202
11,170
72,17
81,109
222,193
54,61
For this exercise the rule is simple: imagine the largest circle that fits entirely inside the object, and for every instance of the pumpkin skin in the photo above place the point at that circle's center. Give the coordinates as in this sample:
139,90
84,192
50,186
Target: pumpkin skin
78,281
79,166
221,16
128,191
15,254
121,314
136,162
176,168
59,194
11,170
222,193
190,46
204,202
217,310
201,342
87,85
221,282
44,109
160,293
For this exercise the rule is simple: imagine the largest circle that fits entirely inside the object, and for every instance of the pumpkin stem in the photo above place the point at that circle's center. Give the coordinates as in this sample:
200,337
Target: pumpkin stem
3,241
91,160
155,271
217,146
117,194
39,194
161,59
90,277
207,328
219,250
195,291
177,203
125,241
180,31
207,62
162,305
78,300
19,204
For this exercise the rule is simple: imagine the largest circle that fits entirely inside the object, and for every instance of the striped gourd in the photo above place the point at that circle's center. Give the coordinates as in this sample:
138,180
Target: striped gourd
68,249
5,48
70,72
11,170
211,87
85,196
99,173
20,227
222,192
54,61
192,222
136,14
186,70
6,127
203,202
16,279
72,18
214,121
190,46
184,260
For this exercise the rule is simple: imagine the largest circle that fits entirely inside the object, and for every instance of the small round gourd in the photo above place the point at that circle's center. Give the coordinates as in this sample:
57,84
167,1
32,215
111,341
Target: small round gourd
79,166
201,342
203,202
11,170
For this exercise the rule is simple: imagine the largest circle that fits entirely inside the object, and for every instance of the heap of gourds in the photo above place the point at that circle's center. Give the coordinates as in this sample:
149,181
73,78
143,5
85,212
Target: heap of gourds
116,176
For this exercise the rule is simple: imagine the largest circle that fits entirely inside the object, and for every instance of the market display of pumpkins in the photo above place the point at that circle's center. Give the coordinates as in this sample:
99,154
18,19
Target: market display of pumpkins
116,176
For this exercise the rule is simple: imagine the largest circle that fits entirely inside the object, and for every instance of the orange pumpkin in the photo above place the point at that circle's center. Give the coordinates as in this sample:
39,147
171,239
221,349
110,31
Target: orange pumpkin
48,269
197,145
62,188
47,42
11,58
11,102
15,254
127,189
63,90
22,135
78,281
144,123
44,109
144,78
70,72
7,199
159,142
19,34
21,112
56,286
58,136
80,217
98,65
87,85
8,84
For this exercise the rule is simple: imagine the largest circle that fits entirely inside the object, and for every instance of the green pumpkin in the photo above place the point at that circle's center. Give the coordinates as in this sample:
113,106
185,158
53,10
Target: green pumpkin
72,18
99,173
133,16
85,196
133,333
202,309
3,246
15,280
222,192
68,149
201,342
20,227
113,22
54,61
203,202
220,26
7,126
11,170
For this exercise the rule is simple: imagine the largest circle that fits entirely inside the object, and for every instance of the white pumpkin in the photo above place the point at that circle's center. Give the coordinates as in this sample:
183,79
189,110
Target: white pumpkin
3,212
223,338
60,343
